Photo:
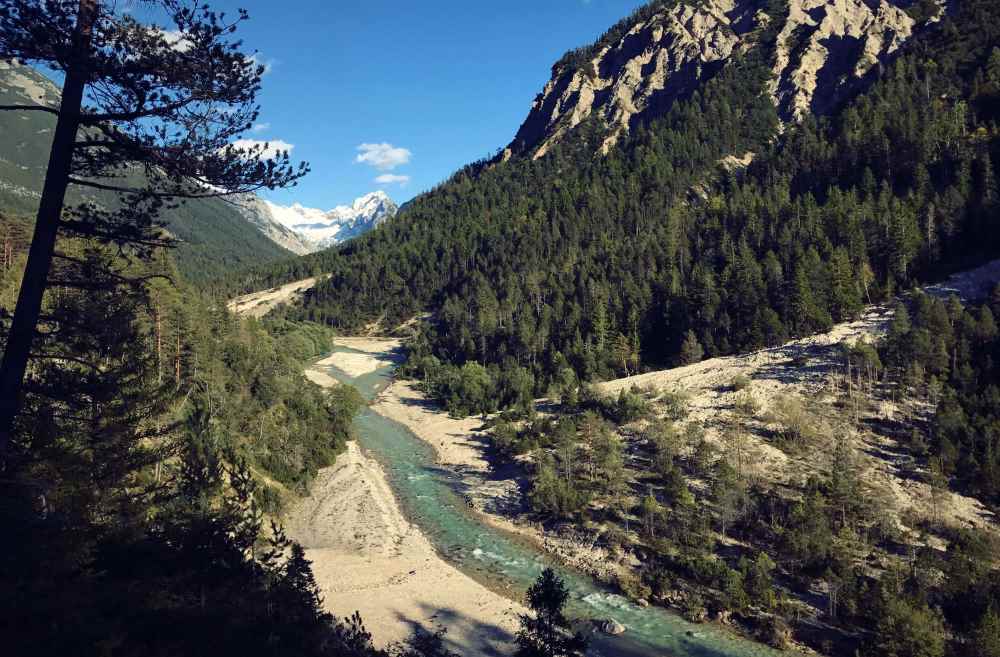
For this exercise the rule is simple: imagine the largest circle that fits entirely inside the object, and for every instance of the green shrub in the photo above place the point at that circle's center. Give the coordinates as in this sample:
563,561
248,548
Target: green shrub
676,405
740,382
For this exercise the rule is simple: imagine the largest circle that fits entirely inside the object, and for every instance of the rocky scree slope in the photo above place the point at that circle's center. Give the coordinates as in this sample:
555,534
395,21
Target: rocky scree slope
824,50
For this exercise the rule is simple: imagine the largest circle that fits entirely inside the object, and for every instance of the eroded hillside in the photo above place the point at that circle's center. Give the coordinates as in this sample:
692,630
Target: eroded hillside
823,50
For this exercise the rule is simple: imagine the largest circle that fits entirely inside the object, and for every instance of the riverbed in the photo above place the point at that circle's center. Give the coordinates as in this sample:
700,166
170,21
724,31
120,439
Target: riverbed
501,562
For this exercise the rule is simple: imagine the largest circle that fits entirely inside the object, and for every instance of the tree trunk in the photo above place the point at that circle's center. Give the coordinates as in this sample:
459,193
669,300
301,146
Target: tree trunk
177,362
43,242
8,252
159,342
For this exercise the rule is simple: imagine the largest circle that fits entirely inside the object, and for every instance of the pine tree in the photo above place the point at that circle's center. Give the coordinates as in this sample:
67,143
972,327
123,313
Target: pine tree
599,319
623,352
131,101
846,298
651,512
544,634
691,350
92,380
986,639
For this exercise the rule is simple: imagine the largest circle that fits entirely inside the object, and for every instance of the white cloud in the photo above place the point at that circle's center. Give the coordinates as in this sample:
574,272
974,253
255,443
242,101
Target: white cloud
384,157
260,127
392,179
273,146
176,40
173,39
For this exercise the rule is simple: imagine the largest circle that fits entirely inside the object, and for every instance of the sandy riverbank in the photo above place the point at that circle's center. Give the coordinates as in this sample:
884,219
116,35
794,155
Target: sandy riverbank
458,442
368,557
368,355
460,445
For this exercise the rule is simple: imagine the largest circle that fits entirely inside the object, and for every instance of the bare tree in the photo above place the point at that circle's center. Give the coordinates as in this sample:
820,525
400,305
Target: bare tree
149,117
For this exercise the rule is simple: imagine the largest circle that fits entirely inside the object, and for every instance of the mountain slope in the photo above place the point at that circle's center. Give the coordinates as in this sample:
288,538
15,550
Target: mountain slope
582,264
668,48
215,234
258,214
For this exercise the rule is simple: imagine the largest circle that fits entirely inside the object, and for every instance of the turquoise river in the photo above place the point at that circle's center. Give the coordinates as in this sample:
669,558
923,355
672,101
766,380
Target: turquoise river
427,495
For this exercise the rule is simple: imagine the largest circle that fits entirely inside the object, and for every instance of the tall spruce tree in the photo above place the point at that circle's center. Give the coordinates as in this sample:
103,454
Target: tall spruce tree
546,634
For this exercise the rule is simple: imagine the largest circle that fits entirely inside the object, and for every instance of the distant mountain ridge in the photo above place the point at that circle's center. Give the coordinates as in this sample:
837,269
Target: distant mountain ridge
305,230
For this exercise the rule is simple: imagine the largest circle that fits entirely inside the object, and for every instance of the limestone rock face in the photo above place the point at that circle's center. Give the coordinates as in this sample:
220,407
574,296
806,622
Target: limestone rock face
824,49
826,46
27,85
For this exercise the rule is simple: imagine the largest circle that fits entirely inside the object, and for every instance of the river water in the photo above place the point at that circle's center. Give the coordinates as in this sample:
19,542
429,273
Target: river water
427,495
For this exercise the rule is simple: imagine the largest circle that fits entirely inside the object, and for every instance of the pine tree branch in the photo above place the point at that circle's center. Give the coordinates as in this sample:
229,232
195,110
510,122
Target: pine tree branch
118,277
165,195
67,358
29,108
82,229
165,110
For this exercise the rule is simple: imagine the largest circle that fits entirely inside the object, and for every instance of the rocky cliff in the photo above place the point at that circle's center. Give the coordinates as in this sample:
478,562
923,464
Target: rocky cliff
824,50
827,47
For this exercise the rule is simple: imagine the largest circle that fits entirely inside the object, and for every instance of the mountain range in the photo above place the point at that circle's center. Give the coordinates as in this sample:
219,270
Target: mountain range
304,230
735,172
216,235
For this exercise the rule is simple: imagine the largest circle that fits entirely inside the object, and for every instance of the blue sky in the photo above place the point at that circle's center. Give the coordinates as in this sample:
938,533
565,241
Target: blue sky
449,82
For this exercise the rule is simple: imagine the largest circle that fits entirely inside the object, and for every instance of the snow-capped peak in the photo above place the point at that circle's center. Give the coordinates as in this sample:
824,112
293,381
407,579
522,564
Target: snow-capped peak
295,214
324,229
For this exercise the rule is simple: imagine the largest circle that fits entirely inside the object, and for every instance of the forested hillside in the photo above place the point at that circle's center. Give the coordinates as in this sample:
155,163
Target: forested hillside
836,493
664,250
249,372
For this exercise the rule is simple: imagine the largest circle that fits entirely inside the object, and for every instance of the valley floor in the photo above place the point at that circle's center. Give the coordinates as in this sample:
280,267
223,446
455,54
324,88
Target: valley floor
368,557
803,367
808,368
389,571
462,446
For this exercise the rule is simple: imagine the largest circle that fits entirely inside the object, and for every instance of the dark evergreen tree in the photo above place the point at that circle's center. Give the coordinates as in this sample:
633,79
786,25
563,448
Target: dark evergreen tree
139,118
546,632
